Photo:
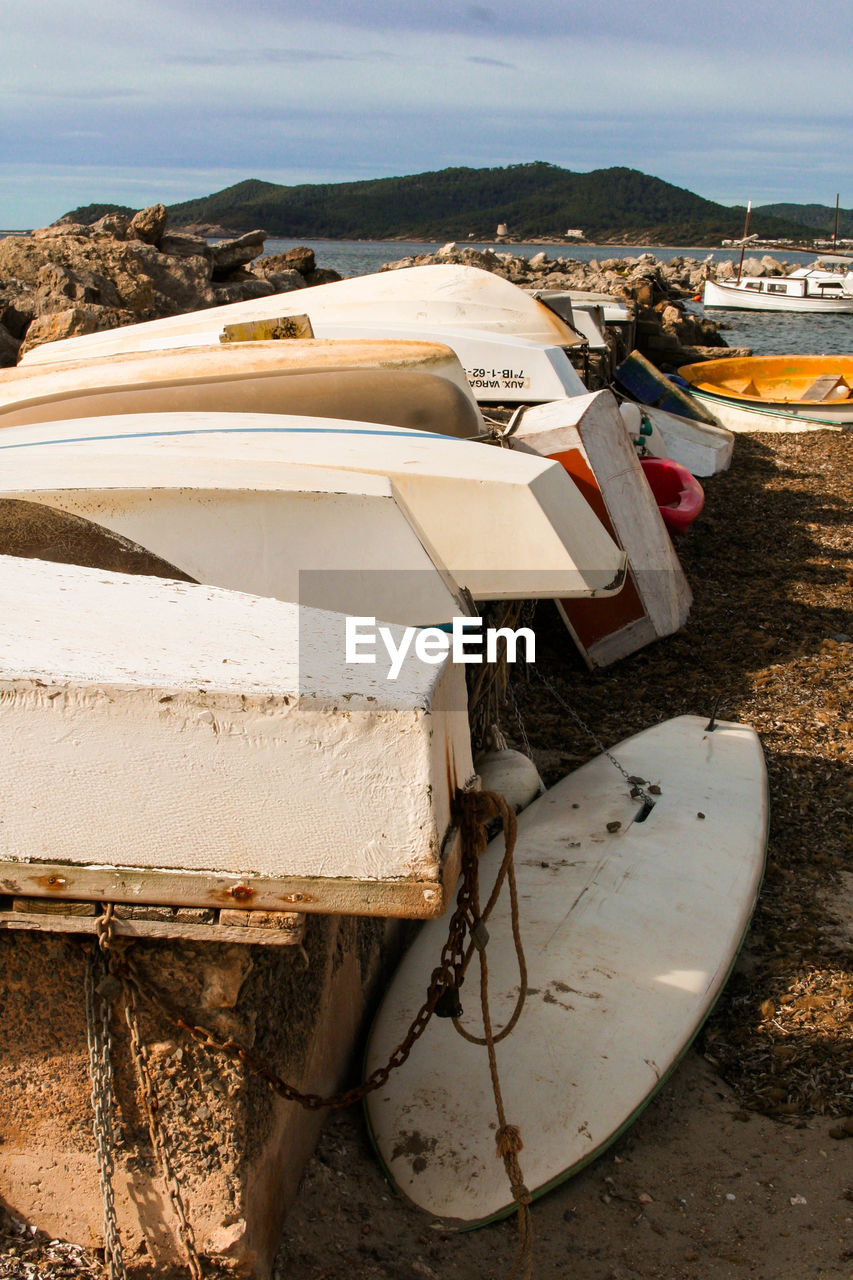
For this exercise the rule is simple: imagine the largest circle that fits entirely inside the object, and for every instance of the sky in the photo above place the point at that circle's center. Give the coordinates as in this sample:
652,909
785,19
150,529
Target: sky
172,99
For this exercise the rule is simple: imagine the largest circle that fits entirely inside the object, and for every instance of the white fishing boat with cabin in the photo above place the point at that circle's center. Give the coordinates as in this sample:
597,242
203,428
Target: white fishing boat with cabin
812,293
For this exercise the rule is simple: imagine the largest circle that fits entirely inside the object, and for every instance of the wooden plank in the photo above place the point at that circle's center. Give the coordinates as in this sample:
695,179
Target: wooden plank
415,898
268,330
47,907
38,922
829,386
649,386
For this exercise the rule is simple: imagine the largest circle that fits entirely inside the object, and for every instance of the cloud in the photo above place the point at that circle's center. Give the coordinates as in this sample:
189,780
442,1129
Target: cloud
493,62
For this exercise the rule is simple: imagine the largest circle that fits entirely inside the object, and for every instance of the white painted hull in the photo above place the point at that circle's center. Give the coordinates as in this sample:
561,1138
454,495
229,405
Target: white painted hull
510,345
408,384
587,436
739,416
739,297
704,450
500,367
629,936
161,745
457,297
364,518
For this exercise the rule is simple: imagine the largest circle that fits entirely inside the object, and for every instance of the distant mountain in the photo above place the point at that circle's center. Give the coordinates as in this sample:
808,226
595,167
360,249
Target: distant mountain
536,201
820,217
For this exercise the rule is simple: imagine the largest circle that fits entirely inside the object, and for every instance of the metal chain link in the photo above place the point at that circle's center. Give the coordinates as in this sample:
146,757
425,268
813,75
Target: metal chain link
638,790
151,1106
99,1039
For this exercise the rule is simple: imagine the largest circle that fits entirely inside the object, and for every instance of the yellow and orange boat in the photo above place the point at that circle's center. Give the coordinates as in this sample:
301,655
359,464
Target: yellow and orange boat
774,393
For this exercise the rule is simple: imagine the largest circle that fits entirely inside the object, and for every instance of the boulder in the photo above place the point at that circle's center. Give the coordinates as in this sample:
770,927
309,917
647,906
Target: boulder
148,224
240,286
228,255
60,229
322,275
285,281
177,245
299,259
112,224
54,325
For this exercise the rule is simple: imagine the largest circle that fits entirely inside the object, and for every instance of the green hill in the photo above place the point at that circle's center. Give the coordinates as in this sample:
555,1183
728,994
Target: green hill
819,217
534,200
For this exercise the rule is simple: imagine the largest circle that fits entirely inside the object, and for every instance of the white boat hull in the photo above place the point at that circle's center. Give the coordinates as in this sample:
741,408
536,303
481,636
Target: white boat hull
174,743
629,934
365,518
412,384
511,346
738,416
587,436
704,450
742,298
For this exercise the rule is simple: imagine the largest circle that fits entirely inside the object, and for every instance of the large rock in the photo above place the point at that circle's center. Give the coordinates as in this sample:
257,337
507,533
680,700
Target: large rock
123,280
112,224
240,286
228,255
148,224
54,325
300,259
177,245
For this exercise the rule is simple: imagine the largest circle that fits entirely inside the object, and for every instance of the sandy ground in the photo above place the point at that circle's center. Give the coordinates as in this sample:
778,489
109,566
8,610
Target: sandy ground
742,1166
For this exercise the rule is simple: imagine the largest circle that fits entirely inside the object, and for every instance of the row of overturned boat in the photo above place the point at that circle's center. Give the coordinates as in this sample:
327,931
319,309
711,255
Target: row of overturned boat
240,547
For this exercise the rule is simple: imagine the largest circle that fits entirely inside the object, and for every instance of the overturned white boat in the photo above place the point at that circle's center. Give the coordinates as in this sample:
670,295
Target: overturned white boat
161,745
408,384
512,347
369,519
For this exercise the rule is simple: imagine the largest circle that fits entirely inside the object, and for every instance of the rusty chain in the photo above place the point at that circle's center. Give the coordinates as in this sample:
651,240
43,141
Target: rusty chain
99,1039
475,811
151,1106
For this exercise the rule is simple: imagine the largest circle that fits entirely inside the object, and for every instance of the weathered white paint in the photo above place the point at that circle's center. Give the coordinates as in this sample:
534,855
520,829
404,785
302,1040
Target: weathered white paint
738,415
358,379
704,450
593,426
251,502
629,937
500,367
458,297
196,732
510,345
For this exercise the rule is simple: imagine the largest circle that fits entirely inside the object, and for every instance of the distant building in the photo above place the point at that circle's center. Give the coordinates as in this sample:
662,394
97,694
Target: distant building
574,233
502,229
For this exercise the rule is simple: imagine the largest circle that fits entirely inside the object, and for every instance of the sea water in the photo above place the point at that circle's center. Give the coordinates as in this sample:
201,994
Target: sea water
766,333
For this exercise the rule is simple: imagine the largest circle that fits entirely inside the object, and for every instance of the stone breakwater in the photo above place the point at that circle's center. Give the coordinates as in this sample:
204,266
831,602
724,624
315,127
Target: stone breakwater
667,332
71,278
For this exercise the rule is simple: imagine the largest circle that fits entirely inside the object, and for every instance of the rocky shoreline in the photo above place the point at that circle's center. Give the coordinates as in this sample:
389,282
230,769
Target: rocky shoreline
71,278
